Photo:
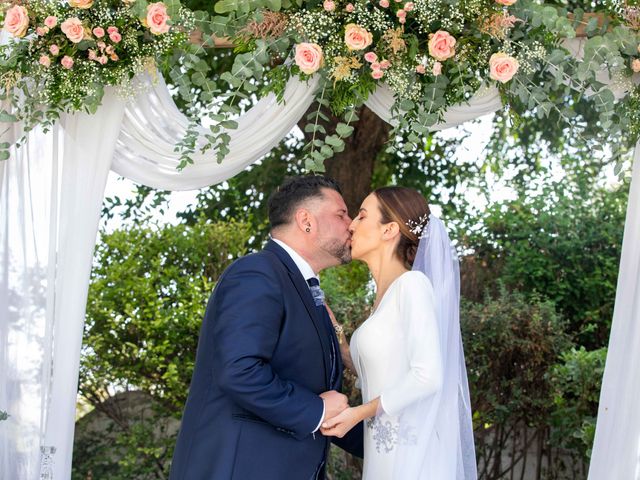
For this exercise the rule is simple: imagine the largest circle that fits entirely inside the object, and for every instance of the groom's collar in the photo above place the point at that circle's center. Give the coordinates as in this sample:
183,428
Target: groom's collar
304,267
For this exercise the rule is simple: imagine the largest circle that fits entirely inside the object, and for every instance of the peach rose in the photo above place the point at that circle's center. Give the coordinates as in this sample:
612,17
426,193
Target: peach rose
437,69
98,32
384,64
329,5
67,62
502,67
308,57
157,18
420,69
635,65
370,57
16,21
42,31
54,49
442,45
83,4
377,74
44,60
51,21
115,37
103,60
73,29
356,37
349,7
409,6
384,3
375,66
112,29
114,57
92,55
401,14
506,3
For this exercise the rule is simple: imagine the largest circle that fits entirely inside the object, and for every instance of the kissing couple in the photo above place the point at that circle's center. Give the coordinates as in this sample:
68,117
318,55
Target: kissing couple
265,402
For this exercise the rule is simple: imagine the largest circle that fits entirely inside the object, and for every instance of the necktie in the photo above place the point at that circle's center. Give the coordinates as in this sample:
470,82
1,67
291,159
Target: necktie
318,298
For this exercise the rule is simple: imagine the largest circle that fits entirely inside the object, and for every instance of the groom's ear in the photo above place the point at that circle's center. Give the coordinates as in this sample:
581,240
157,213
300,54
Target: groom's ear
303,219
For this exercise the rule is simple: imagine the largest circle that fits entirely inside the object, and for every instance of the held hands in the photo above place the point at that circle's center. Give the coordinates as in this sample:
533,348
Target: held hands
339,425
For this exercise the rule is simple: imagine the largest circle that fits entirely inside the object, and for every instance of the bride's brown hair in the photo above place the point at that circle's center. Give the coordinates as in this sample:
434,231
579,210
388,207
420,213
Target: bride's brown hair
405,206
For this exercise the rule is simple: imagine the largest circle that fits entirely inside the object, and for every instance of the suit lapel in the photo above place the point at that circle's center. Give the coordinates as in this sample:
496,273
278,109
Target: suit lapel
302,288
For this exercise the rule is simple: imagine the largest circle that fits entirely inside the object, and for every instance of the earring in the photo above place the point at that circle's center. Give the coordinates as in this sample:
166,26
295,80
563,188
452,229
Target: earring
308,229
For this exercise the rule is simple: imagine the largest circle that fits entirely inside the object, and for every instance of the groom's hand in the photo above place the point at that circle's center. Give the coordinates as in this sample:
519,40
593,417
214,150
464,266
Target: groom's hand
334,403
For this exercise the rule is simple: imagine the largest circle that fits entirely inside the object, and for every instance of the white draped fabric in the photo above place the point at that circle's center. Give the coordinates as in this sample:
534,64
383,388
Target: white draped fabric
616,449
51,191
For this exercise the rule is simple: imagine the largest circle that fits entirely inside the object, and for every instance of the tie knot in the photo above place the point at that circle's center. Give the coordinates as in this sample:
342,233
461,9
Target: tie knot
316,291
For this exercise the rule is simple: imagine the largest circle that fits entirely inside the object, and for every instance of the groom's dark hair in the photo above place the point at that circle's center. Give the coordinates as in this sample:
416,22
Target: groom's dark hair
295,190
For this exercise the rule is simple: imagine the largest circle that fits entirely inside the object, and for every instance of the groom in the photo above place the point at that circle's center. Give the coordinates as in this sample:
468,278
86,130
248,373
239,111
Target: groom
268,367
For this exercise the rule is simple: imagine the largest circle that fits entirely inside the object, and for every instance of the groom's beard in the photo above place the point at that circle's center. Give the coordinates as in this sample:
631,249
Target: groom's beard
339,251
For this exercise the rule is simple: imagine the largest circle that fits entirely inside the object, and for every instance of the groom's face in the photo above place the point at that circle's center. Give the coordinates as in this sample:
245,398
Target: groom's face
333,239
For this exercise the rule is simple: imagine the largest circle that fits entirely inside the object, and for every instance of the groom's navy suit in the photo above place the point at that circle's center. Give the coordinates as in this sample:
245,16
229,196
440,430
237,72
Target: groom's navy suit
264,356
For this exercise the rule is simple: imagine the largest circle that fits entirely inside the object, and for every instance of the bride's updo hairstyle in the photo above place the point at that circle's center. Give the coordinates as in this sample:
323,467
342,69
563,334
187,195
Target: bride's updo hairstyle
409,210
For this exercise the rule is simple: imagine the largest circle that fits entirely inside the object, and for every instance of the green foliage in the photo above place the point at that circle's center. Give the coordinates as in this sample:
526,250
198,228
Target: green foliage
576,382
511,343
146,303
562,241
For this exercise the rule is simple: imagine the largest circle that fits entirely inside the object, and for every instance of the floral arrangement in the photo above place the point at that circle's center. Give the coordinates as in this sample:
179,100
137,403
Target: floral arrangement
431,53
60,55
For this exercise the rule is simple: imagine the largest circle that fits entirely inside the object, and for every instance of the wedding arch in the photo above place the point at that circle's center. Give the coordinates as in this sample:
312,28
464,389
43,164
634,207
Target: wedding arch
63,136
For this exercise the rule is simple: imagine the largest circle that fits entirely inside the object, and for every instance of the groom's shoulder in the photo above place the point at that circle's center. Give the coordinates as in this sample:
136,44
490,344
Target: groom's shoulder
262,261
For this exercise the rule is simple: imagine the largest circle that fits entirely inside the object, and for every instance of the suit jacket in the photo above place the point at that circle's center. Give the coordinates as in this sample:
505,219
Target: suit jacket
263,358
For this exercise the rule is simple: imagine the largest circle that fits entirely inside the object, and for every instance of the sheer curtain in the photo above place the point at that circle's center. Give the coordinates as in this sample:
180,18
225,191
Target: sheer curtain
50,197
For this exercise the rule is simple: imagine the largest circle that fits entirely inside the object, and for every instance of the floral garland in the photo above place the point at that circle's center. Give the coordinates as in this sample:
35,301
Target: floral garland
61,55
432,54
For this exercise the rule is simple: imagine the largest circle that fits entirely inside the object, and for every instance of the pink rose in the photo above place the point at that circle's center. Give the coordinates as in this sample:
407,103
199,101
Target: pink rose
54,49
115,37
349,7
103,60
437,69
44,60
420,69
157,18
41,31
401,14
356,37
502,67
408,6
109,50
370,57
51,21
375,66
112,29
98,32
442,45
16,21
506,3
308,57
83,4
92,54
67,62
377,74
73,29
384,64
635,65
329,5
384,3
101,45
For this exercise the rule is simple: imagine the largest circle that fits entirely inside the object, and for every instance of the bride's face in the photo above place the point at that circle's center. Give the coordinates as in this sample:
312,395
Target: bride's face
366,229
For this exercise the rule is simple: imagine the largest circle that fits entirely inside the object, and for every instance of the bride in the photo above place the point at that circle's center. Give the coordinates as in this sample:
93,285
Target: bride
408,354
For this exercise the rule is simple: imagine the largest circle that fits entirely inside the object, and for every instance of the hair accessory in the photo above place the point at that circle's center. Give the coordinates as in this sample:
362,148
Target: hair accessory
419,228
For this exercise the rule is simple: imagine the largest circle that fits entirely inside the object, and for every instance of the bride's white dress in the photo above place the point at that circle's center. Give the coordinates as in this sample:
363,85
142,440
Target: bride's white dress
397,358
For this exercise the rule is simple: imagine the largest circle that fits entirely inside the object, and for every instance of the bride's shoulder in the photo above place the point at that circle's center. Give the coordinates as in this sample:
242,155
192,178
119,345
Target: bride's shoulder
415,281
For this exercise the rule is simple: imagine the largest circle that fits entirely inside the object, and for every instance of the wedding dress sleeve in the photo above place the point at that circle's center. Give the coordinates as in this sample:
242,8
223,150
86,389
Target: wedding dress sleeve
416,307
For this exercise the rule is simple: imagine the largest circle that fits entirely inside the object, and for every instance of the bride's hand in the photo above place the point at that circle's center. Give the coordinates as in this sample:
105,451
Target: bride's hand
339,425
